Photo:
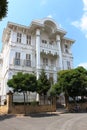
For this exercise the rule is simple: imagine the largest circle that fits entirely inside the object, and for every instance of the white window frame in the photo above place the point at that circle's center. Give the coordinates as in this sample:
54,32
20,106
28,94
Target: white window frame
68,65
45,61
19,37
28,39
17,58
44,41
28,60
66,48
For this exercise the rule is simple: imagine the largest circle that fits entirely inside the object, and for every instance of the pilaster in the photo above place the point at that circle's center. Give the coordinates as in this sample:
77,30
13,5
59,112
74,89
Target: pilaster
37,56
11,36
60,52
55,78
38,50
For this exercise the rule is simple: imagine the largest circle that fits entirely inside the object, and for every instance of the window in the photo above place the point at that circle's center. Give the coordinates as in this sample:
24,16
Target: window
28,39
52,62
17,58
45,61
17,55
28,60
68,65
44,41
51,42
66,48
19,36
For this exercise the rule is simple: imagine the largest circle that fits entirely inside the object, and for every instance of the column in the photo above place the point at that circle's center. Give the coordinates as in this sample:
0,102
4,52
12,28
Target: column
55,78
11,37
37,57
60,52
37,51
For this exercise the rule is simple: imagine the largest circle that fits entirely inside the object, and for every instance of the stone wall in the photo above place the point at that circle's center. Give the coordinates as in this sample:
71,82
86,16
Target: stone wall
3,109
82,106
21,109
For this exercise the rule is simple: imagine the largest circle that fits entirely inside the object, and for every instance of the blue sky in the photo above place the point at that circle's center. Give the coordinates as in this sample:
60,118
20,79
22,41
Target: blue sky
71,15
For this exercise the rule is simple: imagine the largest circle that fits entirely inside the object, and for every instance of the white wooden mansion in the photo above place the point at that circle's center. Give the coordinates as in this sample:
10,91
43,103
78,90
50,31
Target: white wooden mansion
42,45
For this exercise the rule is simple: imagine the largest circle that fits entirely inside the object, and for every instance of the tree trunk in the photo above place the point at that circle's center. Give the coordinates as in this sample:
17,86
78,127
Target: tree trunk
44,99
24,103
74,100
66,100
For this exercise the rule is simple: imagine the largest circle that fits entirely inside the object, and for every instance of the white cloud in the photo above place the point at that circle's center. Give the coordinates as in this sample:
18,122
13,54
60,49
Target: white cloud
82,23
85,5
50,16
75,23
83,64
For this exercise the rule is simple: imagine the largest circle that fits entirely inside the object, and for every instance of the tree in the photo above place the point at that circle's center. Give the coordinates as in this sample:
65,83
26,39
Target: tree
3,8
78,83
30,82
63,83
23,83
43,84
73,83
55,90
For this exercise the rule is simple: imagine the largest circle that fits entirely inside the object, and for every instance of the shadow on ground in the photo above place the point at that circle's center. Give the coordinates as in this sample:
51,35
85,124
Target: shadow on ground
6,116
43,115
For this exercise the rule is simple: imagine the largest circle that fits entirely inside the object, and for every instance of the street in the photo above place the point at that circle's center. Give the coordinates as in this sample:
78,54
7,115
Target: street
49,121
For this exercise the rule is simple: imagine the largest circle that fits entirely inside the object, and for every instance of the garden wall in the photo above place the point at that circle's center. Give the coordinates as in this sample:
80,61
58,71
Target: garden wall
82,106
21,109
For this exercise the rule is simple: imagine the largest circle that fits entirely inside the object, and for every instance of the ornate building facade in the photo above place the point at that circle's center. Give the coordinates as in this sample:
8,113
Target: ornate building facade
42,45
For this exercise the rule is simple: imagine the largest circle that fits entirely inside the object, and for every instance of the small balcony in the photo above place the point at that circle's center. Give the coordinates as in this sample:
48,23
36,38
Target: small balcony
20,62
50,67
49,46
22,65
51,49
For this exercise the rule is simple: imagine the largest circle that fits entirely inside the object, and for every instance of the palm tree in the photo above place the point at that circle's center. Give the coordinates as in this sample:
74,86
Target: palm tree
3,8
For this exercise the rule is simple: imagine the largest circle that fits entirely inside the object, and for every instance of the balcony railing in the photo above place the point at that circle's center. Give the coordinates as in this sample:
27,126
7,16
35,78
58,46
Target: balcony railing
50,67
49,46
49,49
17,62
26,64
20,62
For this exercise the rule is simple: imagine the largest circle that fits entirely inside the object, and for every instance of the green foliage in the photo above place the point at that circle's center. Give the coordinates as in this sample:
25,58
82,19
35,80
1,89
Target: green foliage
78,82
63,80
3,8
54,90
72,83
30,82
34,103
43,84
23,82
17,82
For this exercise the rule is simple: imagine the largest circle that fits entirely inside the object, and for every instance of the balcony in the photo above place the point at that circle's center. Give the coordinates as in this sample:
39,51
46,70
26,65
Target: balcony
20,62
22,65
49,67
49,46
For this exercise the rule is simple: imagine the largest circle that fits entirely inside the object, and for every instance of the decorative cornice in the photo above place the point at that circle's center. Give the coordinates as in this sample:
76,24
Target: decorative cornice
68,39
